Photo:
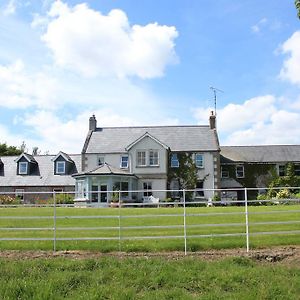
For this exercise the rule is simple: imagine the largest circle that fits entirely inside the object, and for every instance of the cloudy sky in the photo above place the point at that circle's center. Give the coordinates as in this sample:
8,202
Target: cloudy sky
148,62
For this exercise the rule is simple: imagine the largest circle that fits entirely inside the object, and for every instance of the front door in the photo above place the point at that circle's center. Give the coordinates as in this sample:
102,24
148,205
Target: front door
103,191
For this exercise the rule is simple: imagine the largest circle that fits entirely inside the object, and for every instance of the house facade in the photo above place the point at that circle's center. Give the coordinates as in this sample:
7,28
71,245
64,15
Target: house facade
140,159
35,177
255,167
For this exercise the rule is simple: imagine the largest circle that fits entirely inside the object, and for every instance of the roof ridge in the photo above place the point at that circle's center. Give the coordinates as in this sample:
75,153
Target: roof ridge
149,126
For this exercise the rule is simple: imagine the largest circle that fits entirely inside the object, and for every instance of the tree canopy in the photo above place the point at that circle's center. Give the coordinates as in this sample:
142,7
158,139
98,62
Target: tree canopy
297,4
9,150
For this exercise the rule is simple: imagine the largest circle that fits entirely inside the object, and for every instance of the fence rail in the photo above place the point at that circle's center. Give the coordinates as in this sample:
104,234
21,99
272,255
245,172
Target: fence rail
128,221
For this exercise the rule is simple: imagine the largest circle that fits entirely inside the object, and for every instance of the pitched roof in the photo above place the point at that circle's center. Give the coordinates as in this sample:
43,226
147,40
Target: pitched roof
64,155
27,156
260,154
104,169
142,137
177,138
45,176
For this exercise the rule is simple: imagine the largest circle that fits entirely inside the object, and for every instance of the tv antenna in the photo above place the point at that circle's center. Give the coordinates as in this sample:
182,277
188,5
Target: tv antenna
215,90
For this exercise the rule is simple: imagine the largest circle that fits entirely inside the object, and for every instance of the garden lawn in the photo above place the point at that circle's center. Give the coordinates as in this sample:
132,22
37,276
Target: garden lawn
147,278
165,231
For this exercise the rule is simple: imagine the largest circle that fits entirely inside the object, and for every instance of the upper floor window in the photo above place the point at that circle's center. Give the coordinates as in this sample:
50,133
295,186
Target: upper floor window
101,160
23,167
124,161
199,160
224,173
60,167
240,172
141,158
281,170
174,161
153,158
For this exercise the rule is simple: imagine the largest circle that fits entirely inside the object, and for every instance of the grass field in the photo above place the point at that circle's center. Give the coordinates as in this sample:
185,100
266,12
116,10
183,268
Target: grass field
199,220
147,278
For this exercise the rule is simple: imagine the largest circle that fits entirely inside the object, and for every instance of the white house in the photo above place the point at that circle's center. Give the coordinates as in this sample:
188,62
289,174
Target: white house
140,158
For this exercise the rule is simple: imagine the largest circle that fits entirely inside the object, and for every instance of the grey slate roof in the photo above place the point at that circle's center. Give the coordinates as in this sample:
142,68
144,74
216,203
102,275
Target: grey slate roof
46,175
177,138
105,169
260,154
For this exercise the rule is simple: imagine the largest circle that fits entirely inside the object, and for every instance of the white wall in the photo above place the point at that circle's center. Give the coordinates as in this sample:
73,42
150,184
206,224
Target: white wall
147,144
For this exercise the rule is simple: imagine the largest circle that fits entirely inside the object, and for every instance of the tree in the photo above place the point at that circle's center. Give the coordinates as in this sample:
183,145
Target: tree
297,4
9,150
186,174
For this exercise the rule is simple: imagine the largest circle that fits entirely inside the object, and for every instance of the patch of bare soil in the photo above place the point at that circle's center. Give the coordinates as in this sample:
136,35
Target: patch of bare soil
289,255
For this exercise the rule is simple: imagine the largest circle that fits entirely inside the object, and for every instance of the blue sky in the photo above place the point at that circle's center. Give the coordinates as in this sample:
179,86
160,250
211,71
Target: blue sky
148,63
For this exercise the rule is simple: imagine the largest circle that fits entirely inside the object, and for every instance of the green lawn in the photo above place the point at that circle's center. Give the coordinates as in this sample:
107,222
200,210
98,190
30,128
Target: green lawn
199,220
147,278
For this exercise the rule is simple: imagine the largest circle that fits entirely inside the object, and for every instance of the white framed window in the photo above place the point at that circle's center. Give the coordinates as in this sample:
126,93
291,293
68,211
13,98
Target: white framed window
281,170
23,167
239,171
124,162
60,167
224,172
124,188
20,194
141,158
147,187
174,161
153,158
199,160
101,160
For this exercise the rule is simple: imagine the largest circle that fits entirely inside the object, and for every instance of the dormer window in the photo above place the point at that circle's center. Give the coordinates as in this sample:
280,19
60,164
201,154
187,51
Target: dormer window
23,168
60,167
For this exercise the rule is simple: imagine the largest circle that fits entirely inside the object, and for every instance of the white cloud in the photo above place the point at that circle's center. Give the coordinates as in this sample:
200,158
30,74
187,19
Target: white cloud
10,8
291,66
260,120
20,89
258,26
91,43
55,134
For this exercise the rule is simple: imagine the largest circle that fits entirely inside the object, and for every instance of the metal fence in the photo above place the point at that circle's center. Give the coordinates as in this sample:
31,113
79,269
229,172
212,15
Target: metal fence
181,218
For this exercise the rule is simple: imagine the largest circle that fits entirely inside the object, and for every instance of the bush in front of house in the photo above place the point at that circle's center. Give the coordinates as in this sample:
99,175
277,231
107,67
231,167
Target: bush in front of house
9,200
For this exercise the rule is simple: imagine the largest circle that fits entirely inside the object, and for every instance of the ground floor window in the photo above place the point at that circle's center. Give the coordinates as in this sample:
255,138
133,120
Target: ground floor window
199,189
19,194
95,191
147,187
124,189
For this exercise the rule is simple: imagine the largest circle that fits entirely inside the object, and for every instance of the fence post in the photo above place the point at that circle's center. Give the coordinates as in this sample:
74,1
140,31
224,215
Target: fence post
184,224
119,207
54,221
247,220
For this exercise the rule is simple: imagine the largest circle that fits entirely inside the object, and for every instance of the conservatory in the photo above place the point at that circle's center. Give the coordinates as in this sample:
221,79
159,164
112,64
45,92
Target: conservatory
105,184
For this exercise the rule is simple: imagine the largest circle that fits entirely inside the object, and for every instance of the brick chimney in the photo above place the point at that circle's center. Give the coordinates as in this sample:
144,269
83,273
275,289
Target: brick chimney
92,123
212,120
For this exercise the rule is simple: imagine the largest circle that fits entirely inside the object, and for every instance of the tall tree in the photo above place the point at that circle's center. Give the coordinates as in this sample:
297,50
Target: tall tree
297,4
9,150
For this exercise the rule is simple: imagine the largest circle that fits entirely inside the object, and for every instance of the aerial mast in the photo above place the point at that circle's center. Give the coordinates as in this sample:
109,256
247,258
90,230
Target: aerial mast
215,90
